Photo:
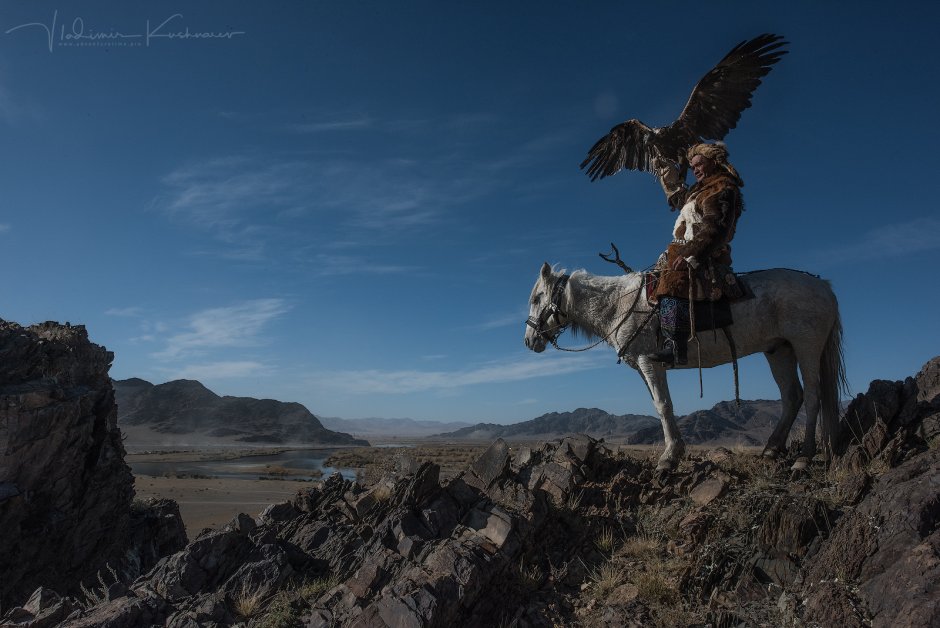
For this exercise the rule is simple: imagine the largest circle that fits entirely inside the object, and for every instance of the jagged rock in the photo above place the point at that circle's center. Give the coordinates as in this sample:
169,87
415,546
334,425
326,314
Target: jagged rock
65,502
492,465
156,530
890,546
206,562
120,613
44,609
832,604
708,491
274,513
792,524
888,408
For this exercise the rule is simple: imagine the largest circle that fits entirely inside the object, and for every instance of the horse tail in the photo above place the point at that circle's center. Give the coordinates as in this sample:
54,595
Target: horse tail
832,384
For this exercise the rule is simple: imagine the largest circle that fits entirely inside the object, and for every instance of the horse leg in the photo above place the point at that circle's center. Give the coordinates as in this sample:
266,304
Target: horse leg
783,364
809,368
655,377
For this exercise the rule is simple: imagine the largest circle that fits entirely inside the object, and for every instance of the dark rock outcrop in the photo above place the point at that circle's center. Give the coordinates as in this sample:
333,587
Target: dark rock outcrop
907,412
187,407
65,491
889,548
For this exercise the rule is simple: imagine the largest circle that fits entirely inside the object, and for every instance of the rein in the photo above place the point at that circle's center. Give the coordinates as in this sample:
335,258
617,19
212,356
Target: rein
553,339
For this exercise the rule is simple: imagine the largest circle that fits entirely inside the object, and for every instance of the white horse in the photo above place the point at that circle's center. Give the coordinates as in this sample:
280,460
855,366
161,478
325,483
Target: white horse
793,319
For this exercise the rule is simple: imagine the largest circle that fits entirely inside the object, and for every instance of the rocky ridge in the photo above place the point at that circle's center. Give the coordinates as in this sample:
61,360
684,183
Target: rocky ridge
574,533
66,494
570,532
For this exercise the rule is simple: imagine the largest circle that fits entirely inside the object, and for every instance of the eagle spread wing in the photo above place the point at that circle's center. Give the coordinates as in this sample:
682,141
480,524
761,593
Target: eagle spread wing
628,145
713,109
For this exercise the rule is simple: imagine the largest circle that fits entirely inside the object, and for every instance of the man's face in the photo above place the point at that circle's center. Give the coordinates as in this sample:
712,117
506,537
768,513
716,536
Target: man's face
702,167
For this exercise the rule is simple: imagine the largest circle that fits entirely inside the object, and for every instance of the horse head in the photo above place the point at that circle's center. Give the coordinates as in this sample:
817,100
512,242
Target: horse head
546,319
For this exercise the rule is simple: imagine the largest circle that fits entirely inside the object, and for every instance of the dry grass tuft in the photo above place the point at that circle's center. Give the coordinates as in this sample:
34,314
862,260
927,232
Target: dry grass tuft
655,589
312,589
574,500
605,579
605,540
530,576
279,614
247,601
641,547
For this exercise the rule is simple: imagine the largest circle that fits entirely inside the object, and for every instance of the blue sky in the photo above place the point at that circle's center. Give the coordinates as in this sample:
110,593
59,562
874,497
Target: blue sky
346,203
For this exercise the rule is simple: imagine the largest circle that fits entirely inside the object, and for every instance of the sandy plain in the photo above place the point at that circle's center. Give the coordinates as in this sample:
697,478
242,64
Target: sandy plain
211,503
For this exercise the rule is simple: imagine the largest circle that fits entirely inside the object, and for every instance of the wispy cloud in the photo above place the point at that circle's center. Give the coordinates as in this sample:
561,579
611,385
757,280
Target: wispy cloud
914,236
130,312
233,326
337,265
347,124
220,192
222,370
234,197
516,318
373,381
4,228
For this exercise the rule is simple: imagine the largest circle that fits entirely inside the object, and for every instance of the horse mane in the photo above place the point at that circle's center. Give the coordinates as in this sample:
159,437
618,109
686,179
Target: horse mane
599,291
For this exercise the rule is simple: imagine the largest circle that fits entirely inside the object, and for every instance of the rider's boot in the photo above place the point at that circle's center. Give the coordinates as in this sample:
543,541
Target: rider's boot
675,351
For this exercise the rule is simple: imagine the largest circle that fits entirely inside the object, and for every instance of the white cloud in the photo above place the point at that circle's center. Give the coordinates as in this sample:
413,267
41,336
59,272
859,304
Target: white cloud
222,370
234,326
914,236
372,381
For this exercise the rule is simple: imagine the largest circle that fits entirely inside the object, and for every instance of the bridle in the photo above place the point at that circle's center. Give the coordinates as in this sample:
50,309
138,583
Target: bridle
553,309
540,323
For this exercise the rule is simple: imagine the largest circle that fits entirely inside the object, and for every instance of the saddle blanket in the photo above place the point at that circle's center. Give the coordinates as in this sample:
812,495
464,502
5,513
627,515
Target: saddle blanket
708,314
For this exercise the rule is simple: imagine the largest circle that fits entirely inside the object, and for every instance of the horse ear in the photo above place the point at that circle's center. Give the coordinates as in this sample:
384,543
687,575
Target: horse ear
546,271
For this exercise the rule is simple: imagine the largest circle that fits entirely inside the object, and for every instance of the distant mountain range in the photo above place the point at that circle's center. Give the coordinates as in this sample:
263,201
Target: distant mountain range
724,424
375,427
591,421
186,411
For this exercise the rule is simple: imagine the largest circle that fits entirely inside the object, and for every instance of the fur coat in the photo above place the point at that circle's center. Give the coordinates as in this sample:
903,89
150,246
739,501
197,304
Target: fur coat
704,231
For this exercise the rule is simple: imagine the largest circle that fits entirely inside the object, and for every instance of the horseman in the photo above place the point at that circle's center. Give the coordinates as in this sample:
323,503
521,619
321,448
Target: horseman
697,265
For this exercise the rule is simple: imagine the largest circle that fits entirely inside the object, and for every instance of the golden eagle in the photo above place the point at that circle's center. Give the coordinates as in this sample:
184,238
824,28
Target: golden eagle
713,109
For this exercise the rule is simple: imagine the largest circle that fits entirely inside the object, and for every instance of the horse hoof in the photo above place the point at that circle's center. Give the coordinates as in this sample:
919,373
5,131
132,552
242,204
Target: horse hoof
771,454
800,465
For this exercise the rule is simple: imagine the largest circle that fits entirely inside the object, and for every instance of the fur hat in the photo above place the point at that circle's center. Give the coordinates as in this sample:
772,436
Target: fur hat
718,153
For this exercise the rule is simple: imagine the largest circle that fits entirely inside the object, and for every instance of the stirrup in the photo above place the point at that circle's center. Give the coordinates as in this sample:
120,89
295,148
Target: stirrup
669,355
